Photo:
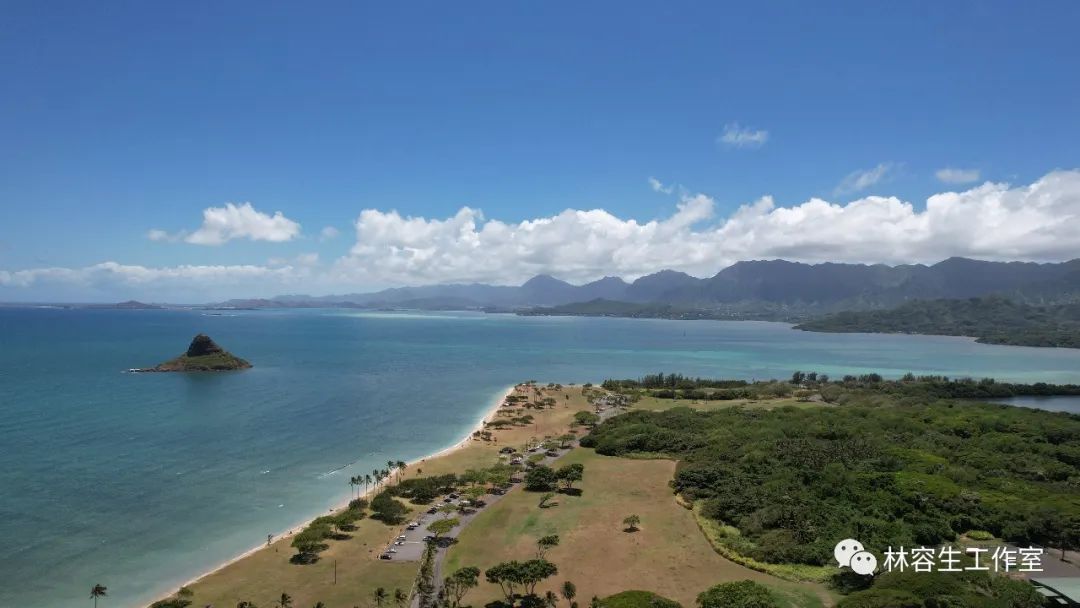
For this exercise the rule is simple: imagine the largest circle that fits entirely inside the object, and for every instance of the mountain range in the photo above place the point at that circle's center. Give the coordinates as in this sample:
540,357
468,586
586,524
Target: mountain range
765,288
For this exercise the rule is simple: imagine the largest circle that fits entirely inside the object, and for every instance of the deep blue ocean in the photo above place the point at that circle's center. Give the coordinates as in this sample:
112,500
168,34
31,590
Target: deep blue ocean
142,481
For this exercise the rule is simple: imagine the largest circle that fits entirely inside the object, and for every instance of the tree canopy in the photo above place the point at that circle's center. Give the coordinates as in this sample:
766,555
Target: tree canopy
893,466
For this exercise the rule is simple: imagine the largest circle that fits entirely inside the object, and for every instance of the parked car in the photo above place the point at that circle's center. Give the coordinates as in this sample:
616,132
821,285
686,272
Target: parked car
433,510
551,453
412,526
386,556
402,538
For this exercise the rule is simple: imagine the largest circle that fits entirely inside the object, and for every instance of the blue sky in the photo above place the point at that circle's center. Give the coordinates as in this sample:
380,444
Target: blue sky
123,117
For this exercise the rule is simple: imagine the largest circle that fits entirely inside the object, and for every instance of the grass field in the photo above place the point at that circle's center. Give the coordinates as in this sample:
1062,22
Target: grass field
668,555
264,575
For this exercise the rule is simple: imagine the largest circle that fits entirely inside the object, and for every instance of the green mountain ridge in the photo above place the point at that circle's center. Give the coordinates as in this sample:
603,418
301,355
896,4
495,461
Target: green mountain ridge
991,320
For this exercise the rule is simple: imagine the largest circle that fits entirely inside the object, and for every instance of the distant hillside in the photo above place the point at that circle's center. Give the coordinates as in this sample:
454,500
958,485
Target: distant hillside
613,308
772,288
993,320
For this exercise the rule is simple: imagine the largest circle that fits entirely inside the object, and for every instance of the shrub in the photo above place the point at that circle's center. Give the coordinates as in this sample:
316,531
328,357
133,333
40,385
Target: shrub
540,478
386,509
638,599
740,594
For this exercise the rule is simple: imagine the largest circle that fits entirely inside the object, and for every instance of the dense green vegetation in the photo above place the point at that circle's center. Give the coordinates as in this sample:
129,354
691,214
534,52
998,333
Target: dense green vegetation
638,599
739,594
897,464
994,320
814,385
923,589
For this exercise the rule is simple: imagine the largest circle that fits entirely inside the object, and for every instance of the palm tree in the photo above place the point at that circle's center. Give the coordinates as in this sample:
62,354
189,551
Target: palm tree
569,591
401,466
97,591
550,599
400,597
367,482
246,604
319,605
380,596
389,465
285,601
352,484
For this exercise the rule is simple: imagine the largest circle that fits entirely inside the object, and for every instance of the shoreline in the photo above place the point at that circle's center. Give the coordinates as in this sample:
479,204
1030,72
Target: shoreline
289,532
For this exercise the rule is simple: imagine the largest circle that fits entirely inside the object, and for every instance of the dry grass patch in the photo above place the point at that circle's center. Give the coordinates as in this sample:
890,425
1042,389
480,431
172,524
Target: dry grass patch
667,555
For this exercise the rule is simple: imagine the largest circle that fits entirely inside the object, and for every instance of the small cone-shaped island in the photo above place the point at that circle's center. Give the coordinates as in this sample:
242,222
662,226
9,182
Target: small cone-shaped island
204,355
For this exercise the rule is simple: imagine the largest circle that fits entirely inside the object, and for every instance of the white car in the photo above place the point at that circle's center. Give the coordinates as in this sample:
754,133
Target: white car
402,538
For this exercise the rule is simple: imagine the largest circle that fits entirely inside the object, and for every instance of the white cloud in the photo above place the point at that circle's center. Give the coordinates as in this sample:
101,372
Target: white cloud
223,224
743,137
858,181
957,176
991,221
135,274
658,186
328,233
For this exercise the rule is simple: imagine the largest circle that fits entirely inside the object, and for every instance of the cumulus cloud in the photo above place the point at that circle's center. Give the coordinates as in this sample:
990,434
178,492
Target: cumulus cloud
957,176
992,221
223,224
738,136
857,181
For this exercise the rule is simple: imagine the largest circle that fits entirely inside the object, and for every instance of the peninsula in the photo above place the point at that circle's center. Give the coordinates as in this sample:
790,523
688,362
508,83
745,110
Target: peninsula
203,355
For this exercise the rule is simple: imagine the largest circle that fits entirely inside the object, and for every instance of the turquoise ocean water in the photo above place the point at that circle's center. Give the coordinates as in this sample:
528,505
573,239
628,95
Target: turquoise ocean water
142,481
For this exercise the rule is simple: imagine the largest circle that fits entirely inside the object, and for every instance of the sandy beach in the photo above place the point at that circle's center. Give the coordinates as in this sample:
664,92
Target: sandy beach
488,414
